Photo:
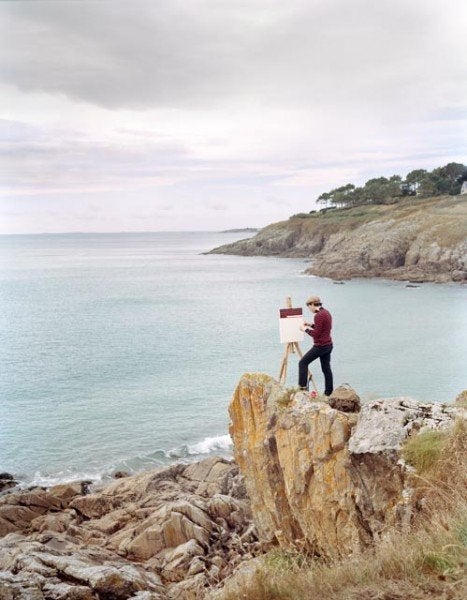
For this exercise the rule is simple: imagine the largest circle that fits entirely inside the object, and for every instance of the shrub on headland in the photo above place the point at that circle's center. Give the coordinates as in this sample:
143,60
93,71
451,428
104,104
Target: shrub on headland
441,181
428,562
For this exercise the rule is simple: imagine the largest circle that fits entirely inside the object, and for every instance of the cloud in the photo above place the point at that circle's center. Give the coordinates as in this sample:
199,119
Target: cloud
205,53
219,113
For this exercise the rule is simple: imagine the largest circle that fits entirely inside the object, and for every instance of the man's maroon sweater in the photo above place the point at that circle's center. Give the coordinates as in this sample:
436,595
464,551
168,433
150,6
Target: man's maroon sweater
321,332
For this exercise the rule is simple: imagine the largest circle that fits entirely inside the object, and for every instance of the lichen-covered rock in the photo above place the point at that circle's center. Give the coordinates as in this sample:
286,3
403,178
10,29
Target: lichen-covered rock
320,479
384,425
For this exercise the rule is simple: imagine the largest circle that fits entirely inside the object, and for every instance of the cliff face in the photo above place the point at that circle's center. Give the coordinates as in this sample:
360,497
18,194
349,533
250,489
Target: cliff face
319,479
421,240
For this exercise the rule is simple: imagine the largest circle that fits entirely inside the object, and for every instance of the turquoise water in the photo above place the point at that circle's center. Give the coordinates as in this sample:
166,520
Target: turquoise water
121,351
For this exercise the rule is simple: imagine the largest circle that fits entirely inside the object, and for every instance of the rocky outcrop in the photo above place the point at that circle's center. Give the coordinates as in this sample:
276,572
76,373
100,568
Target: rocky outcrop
322,480
421,240
163,534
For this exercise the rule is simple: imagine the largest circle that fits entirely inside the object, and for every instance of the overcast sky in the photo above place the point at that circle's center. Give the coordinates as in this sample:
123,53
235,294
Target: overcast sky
200,115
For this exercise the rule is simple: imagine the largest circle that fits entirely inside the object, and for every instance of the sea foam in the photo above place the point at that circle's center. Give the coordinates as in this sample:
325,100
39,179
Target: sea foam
211,444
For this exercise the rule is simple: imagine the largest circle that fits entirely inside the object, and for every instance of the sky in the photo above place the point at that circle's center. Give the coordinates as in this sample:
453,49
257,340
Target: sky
213,114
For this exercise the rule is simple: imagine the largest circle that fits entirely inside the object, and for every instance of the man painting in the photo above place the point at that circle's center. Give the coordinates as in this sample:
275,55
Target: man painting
320,331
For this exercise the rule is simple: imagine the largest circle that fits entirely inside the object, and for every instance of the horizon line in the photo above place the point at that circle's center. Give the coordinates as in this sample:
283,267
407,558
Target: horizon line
232,230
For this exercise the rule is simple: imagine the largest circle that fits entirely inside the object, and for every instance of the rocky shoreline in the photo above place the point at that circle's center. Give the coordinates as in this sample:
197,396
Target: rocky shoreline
415,241
323,478
163,532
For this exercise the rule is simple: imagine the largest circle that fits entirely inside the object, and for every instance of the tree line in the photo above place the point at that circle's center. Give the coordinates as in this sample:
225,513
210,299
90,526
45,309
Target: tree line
387,190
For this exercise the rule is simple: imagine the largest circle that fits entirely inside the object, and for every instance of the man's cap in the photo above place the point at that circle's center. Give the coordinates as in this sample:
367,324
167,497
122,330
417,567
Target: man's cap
314,300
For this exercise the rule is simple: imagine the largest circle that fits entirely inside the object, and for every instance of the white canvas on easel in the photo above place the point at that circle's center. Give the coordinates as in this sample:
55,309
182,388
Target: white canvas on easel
291,319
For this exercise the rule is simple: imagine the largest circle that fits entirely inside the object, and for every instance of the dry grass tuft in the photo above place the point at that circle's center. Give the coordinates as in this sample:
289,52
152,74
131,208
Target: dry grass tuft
461,400
423,451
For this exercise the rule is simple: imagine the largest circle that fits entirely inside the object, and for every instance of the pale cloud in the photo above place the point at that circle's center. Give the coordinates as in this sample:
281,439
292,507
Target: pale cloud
216,114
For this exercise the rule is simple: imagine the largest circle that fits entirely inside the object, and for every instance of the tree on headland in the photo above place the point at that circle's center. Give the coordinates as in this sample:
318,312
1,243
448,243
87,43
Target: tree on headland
384,190
414,179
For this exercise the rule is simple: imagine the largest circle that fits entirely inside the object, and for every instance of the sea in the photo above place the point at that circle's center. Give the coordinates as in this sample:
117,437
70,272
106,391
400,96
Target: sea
121,351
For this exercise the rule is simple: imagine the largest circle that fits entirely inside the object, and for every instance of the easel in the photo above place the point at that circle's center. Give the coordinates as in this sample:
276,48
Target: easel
291,348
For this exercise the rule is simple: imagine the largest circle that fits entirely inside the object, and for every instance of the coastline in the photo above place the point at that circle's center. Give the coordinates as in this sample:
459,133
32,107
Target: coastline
220,445
188,531
420,240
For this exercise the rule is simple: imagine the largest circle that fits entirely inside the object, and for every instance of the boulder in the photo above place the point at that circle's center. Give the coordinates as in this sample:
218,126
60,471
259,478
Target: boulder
345,399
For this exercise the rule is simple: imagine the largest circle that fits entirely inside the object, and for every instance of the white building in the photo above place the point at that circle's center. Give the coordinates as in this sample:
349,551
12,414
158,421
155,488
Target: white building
464,188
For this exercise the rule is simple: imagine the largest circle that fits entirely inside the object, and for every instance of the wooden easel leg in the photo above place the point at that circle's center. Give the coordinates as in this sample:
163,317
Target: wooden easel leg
283,371
286,362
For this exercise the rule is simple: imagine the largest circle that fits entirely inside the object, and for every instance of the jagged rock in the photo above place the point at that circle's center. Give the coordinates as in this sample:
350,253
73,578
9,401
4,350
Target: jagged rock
383,425
57,522
73,573
345,398
19,509
18,587
65,591
177,563
67,491
154,533
94,505
319,479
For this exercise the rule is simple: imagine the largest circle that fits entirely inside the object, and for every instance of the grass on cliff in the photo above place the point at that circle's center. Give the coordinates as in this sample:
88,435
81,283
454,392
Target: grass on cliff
444,216
429,562
424,451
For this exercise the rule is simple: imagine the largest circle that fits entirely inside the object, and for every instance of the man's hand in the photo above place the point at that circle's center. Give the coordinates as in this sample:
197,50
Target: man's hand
308,324
303,327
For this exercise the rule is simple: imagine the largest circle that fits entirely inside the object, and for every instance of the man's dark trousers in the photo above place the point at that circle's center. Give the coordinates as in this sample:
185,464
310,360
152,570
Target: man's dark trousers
324,355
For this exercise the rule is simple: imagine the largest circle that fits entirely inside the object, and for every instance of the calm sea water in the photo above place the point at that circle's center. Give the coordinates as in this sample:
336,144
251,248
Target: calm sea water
121,351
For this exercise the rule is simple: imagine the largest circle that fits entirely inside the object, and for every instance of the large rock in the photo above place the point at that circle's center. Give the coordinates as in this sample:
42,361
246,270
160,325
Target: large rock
320,479
18,510
345,398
